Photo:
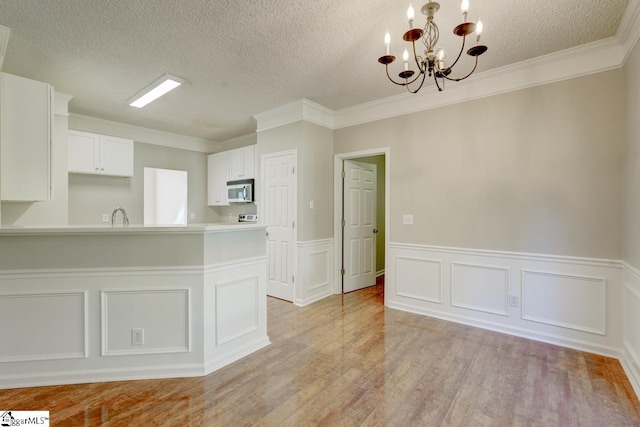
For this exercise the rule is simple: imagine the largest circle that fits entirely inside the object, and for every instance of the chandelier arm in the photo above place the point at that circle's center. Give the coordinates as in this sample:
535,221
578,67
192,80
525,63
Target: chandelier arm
464,38
401,84
415,56
462,78
424,75
435,79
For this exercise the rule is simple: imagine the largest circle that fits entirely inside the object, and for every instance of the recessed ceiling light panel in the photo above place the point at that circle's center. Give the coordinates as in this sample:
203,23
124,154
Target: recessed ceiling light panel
155,90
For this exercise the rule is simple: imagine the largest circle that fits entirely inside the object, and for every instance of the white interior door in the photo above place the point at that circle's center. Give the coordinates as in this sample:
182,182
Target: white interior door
279,215
359,238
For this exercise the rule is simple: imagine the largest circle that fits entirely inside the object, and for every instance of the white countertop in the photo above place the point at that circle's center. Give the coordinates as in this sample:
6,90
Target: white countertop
130,229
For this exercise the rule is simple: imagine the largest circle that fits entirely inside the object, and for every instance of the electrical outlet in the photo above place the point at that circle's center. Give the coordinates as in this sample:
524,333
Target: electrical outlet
407,219
193,215
514,301
105,217
137,336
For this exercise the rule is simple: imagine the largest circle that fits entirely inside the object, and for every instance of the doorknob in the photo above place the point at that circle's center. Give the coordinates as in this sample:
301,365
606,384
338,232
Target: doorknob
375,231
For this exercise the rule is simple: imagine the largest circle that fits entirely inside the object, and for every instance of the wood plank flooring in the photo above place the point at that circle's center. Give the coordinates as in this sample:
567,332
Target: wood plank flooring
348,361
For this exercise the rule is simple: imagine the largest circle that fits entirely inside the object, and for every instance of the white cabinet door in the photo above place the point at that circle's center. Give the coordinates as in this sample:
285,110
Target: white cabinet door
100,154
116,156
25,139
242,163
217,177
84,152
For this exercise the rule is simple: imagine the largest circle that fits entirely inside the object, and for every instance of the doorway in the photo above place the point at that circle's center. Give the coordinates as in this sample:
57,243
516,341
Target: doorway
344,206
278,212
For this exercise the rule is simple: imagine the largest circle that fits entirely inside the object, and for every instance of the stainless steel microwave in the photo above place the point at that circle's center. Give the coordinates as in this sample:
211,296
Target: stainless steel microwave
240,191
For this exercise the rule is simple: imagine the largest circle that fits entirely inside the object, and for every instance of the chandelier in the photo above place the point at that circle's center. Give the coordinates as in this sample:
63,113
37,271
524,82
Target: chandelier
433,63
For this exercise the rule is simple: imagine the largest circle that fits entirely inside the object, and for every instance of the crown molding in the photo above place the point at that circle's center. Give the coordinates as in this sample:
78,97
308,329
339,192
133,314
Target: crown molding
579,61
628,32
300,109
596,57
558,66
61,103
141,134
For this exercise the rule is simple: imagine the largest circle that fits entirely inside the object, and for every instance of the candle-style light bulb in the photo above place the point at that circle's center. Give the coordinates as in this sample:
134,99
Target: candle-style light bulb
464,7
479,28
405,58
410,14
440,56
387,40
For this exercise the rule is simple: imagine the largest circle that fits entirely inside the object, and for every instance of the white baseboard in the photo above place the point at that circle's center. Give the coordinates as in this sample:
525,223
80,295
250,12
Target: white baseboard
239,353
100,375
631,365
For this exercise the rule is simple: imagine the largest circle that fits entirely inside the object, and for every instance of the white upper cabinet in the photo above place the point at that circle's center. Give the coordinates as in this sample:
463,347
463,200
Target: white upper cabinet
217,177
100,154
242,163
26,116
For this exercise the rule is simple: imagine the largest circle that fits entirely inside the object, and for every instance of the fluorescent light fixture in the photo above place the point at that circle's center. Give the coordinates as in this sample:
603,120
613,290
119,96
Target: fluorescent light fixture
155,90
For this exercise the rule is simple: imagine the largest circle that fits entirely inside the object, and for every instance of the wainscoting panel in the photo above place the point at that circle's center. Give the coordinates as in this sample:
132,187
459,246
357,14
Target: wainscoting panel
419,278
237,323
569,301
53,326
631,312
236,309
162,314
315,271
480,287
573,302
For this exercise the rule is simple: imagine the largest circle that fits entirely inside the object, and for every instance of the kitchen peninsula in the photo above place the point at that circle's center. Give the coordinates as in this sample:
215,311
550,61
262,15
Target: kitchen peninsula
89,304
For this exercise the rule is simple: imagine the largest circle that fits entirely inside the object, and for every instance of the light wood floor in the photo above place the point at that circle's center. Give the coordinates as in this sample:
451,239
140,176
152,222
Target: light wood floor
348,361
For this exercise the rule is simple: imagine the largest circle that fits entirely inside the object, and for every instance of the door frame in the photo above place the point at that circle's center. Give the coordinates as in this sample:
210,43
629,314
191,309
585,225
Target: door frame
337,209
260,203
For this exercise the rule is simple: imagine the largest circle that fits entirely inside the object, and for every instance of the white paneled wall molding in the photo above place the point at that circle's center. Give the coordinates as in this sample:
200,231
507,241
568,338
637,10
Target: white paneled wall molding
97,309
139,311
315,267
560,300
631,336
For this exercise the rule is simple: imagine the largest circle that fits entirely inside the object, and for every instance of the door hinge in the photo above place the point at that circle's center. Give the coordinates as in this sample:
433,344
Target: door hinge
344,174
293,170
293,224
342,272
343,223
293,279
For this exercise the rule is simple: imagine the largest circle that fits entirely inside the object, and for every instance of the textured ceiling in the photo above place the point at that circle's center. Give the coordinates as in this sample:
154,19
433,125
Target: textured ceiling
241,58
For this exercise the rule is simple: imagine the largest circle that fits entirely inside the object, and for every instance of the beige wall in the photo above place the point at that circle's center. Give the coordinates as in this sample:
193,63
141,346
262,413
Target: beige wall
90,196
314,145
316,177
537,170
631,237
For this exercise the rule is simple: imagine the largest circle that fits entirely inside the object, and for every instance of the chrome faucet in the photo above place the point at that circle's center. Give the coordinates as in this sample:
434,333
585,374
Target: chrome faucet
125,220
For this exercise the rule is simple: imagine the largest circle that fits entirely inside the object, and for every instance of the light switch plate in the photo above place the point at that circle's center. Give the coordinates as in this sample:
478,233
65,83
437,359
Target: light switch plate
407,219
